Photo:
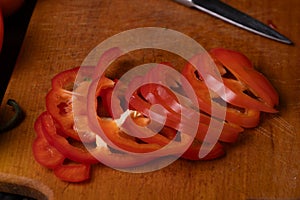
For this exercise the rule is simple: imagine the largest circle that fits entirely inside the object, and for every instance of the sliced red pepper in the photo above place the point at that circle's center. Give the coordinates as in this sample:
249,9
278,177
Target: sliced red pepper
241,67
241,77
247,93
49,157
62,145
123,141
101,153
116,138
73,172
65,79
171,120
241,116
59,103
160,138
229,133
157,94
44,153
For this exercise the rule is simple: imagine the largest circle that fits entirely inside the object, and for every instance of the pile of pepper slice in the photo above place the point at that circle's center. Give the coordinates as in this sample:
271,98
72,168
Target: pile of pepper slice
70,150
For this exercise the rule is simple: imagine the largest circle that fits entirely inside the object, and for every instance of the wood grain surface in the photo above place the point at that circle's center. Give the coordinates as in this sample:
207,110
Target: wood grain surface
263,164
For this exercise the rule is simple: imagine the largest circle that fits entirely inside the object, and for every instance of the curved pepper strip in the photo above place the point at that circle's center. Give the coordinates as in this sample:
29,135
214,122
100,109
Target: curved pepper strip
114,136
234,86
65,79
48,156
247,118
59,104
62,144
74,173
241,67
44,153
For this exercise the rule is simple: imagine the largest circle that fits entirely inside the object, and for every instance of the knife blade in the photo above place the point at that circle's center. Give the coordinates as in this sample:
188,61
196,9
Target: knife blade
229,14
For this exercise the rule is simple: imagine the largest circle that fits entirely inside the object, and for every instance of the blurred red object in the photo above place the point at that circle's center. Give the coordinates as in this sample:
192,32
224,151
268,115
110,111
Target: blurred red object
1,30
9,7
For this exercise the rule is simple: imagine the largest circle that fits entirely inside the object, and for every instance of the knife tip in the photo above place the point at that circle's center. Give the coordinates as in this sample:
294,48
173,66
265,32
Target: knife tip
286,41
289,42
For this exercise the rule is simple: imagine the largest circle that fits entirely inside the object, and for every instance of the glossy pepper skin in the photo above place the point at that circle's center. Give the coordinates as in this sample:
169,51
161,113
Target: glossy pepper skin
47,154
246,91
242,68
59,103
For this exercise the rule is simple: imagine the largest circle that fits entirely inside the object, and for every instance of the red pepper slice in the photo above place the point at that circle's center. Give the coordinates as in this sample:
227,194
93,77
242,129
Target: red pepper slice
44,153
48,156
241,67
244,117
59,104
124,141
65,79
236,87
73,173
62,145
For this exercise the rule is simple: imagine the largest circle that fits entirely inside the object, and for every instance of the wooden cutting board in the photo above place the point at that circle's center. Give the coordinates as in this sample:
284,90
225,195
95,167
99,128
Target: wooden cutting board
263,164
